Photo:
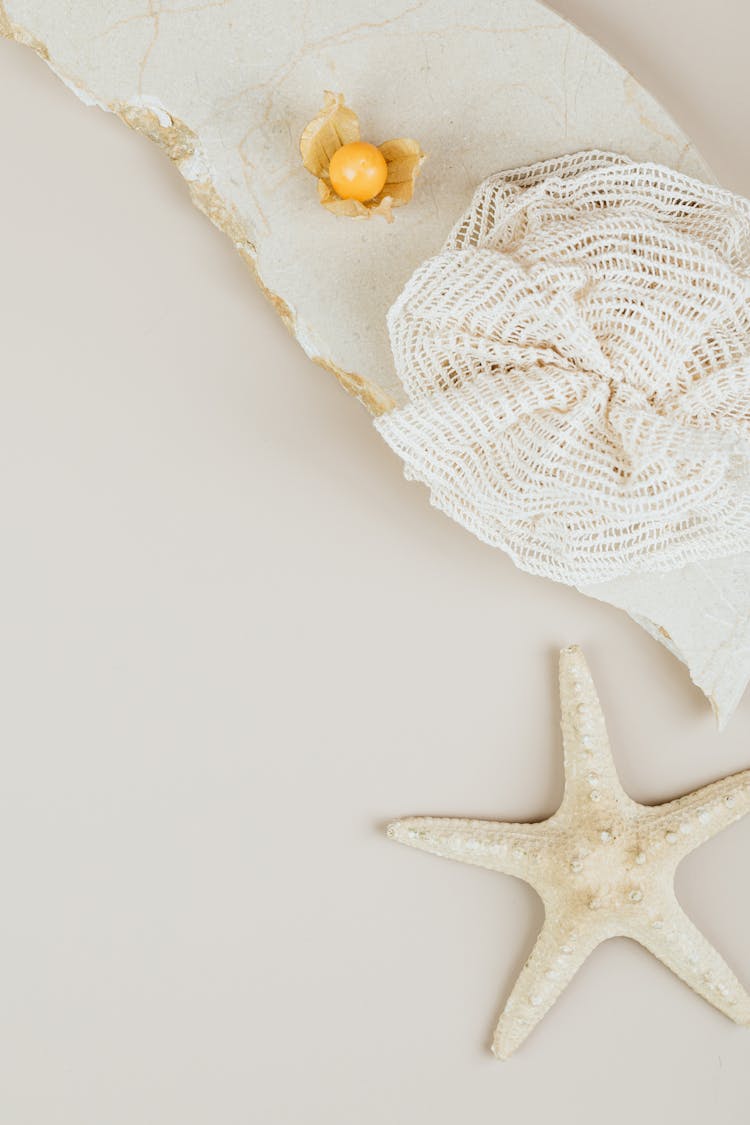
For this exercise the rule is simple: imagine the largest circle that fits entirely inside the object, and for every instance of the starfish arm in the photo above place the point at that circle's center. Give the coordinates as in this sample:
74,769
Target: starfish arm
560,950
691,820
514,849
678,943
590,774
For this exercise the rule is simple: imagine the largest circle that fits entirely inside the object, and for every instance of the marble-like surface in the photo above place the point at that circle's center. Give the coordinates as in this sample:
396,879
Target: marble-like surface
228,85
701,613
234,643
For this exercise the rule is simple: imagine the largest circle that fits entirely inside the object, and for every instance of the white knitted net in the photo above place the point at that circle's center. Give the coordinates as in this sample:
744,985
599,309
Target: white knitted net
577,365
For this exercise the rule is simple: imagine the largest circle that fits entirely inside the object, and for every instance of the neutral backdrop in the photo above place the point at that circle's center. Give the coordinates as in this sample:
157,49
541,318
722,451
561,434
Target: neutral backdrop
234,642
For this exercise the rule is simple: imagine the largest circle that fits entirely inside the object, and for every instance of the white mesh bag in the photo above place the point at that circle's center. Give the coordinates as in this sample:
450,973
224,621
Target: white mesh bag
577,366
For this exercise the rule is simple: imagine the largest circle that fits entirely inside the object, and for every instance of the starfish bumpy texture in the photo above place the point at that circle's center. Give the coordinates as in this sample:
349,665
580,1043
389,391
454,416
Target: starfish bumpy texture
603,866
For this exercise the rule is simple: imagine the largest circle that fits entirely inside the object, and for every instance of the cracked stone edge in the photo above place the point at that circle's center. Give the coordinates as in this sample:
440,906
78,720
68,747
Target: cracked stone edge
183,147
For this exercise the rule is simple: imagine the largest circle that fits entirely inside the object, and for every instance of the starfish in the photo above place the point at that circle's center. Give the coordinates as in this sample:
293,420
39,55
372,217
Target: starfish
603,866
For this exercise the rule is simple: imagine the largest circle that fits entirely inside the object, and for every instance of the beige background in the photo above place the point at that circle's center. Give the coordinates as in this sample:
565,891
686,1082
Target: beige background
234,642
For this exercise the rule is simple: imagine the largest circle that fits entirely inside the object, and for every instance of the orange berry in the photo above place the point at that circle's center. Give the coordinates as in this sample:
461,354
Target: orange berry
358,171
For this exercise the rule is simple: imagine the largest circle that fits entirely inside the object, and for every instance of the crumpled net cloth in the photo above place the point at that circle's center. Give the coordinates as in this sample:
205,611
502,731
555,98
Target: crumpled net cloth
577,365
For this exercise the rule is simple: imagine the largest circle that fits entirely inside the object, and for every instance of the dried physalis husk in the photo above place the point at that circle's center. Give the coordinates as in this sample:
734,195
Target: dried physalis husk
338,125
